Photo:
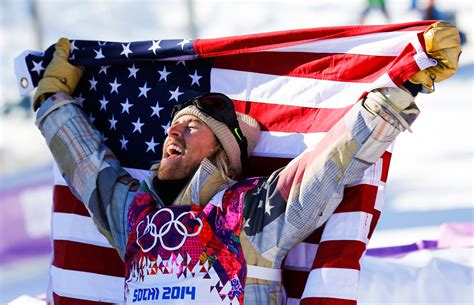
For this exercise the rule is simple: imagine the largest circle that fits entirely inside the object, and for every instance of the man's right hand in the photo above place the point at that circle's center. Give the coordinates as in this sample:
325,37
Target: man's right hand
59,76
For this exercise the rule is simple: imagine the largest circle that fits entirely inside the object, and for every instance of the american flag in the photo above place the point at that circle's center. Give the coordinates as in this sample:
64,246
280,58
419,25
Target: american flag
296,83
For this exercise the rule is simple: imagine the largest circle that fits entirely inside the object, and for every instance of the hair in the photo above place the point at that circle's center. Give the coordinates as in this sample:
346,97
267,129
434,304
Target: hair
221,161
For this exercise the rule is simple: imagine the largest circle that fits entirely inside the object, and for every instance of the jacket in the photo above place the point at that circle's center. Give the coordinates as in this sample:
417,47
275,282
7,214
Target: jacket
277,212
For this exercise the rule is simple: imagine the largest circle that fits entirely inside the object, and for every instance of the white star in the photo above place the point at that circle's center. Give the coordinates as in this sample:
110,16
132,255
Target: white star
123,143
98,54
103,104
195,78
93,83
126,106
104,69
175,94
126,50
91,118
138,126
80,100
182,43
166,127
113,122
156,45
114,86
181,62
38,67
247,223
101,44
164,74
156,110
73,46
144,90
151,145
268,208
133,71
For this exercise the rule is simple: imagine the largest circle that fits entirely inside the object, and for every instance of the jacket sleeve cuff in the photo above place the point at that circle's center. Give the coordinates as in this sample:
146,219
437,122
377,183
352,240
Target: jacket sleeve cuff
52,103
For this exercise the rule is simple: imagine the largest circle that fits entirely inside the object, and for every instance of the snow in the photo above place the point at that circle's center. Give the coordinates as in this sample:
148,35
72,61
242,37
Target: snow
431,176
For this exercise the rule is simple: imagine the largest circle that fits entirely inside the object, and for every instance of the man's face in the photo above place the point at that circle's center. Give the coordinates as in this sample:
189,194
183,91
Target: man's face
189,141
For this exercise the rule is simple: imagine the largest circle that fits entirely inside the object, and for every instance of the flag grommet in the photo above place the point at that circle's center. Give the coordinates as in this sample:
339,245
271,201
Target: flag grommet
24,82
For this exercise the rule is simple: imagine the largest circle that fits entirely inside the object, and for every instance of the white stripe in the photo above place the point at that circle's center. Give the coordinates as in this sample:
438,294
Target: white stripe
332,283
139,174
294,91
285,144
421,59
291,301
378,44
87,286
301,257
263,273
380,199
77,228
348,226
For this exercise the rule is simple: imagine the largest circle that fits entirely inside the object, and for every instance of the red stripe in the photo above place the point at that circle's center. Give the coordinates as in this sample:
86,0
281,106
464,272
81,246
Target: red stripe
266,41
359,198
315,238
285,118
60,300
326,66
76,256
404,67
386,157
326,301
65,202
294,282
339,254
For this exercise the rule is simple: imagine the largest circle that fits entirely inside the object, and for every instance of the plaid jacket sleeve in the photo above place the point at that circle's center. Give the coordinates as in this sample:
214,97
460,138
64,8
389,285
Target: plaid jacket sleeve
90,168
302,196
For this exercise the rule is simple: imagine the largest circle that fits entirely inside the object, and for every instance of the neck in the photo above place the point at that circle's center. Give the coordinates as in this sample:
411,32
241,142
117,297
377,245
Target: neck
168,190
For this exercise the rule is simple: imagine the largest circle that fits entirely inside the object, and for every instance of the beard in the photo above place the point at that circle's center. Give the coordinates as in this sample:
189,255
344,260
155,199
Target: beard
173,168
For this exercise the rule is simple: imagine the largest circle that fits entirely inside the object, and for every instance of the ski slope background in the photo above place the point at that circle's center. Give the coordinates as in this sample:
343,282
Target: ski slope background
431,176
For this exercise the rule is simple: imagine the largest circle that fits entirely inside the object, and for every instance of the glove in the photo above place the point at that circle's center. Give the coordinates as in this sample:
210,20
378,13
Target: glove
59,76
444,45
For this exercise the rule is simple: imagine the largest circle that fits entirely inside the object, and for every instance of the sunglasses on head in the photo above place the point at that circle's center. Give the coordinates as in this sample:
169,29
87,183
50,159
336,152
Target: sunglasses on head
221,108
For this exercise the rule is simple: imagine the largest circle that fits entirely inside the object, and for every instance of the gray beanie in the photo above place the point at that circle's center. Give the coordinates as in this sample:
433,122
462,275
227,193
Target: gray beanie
248,125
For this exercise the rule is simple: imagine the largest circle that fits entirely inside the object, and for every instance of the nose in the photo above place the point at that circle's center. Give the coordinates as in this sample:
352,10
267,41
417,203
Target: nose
175,130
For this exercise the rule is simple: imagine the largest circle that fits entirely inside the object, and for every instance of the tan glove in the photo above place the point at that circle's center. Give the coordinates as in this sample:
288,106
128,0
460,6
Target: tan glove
59,76
443,44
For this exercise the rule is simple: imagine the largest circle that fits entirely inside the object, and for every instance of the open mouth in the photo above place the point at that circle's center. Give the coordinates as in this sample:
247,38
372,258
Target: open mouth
174,151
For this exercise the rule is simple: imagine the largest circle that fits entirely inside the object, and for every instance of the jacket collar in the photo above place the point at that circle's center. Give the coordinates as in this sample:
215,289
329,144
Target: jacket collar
205,183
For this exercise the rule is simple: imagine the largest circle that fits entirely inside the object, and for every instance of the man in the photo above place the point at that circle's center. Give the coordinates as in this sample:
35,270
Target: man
192,233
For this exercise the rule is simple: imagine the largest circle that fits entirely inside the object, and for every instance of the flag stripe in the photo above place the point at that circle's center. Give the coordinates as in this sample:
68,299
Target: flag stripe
369,44
70,226
70,301
326,301
286,118
348,254
332,283
87,286
295,91
360,68
347,226
253,43
93,259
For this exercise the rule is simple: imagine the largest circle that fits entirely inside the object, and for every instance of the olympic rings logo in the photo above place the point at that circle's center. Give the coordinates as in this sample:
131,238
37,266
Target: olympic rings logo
158,234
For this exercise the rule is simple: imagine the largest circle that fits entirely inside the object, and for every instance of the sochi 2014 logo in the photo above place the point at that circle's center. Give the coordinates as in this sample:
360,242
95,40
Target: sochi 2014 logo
167,228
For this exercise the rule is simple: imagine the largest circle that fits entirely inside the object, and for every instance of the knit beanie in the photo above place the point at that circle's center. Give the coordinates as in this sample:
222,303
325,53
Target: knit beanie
248,125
